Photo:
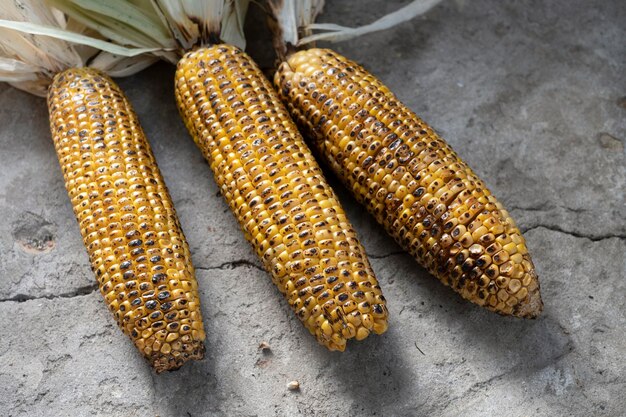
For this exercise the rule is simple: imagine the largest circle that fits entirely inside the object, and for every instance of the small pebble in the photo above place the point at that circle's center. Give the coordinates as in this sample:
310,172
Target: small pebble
265,347
293,386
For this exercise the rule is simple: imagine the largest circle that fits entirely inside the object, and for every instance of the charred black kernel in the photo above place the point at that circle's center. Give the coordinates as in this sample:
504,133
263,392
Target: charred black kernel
155,259
144,286
474,273
135,302
342,297
155,315
467,265
317,289
174,326
135,242
316,278
332,279
160,277
462,281
142,323
419,192
158,324
131,234
151,305
125,265
323,296
166,306
129,275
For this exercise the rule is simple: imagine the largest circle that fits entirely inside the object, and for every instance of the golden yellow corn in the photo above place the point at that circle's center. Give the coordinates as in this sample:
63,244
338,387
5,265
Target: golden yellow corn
278,193
128,223
410,179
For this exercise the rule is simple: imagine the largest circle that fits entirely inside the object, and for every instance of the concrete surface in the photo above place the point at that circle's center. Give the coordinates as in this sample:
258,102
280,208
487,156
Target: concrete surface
532,94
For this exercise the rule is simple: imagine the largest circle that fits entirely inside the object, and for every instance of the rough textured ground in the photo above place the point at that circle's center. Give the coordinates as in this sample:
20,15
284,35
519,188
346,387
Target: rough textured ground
532,94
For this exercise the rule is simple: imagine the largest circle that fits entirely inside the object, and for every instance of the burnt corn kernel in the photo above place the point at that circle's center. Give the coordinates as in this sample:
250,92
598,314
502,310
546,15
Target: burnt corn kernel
119,196
277,192
410,179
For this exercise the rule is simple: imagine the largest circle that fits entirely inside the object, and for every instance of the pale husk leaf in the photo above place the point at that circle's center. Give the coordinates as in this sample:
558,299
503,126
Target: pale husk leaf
174,25
37,42
296,21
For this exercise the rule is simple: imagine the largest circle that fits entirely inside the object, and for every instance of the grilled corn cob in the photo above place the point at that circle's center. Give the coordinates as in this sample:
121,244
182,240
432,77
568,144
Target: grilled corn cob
277,192
410,179
135,243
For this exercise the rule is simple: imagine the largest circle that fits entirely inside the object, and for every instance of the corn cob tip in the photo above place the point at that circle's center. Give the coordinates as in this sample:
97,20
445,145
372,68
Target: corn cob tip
174,360
532,307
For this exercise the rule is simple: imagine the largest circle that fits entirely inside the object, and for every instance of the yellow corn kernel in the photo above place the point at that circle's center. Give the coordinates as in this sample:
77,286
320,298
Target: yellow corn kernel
366,136
125,214
276,190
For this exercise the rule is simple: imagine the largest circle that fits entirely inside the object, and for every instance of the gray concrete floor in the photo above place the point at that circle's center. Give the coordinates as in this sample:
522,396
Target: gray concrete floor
531,94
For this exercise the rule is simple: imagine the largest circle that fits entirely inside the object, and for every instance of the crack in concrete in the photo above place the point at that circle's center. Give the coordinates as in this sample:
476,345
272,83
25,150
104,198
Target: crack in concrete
386,255
576,210
540,207
480,385
232,265
89,289
593,238
86,290
20,298
546,207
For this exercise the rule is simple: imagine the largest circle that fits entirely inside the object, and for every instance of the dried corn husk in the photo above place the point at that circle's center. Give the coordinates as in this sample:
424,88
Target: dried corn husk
171,27
297,21
37,41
